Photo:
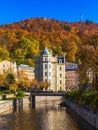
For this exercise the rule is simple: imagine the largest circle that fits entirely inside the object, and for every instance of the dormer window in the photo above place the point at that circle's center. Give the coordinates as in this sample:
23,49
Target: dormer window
59,60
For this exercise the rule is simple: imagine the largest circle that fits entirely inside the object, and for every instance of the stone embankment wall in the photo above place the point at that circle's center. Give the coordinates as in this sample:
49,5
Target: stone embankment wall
7,96
88,115
6,105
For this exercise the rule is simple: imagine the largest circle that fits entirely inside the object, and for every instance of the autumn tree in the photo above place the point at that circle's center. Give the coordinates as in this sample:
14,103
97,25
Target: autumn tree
34,83
93,42
70,46
23,80
44,85
2,80
88,59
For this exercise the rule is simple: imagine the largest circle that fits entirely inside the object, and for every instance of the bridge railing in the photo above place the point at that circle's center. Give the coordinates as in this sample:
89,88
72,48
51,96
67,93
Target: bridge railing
48,94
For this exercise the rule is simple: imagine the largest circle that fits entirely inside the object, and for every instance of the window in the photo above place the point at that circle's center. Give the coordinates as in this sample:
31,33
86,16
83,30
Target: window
3,70
45,80
49,73
60,60
46,59
60,75
45,66
60,68
49,65
45,73
49,59
3,65
50,80
60,81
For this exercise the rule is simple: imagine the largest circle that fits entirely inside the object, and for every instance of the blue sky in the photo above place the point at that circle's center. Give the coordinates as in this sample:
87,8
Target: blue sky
65,10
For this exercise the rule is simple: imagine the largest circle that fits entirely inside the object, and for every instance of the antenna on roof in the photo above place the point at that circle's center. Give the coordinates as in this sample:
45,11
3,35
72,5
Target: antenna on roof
81,17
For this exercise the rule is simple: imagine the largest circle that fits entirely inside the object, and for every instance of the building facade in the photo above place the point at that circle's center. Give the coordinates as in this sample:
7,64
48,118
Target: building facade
11,67
72,76
7,66
26,70
51,69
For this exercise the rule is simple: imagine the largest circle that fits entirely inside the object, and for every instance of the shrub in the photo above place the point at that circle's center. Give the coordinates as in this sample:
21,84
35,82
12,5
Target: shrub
87,97
6,91
20,94
94,103
1,93
74,95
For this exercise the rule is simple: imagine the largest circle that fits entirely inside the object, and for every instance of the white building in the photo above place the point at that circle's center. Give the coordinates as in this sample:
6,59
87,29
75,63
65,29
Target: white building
51,69
7,66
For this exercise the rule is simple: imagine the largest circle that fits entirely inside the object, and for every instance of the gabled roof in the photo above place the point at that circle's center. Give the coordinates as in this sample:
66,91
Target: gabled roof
45,51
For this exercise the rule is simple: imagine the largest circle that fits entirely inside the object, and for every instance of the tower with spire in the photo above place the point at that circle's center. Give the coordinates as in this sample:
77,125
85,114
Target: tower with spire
51,69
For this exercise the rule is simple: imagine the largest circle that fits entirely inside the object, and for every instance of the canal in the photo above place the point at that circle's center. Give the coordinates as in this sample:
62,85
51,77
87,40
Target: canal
45,116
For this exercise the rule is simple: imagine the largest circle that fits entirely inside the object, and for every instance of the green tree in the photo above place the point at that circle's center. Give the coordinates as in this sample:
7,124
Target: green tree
4,53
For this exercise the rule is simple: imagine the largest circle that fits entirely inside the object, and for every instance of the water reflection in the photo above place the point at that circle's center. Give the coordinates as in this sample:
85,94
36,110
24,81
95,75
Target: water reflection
45,116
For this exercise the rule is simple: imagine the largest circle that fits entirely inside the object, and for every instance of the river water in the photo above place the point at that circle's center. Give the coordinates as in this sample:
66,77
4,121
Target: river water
45,116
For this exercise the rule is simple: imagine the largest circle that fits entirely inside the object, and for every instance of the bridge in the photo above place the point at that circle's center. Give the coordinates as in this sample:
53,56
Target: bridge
44,96
49,94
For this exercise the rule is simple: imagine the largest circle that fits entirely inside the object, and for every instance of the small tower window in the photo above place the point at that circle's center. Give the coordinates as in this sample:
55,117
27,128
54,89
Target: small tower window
45,80
49,65
45,73
49,59
49,73
60,68
3,70
3,65
45,66
50,80
46,59
60,81
60,75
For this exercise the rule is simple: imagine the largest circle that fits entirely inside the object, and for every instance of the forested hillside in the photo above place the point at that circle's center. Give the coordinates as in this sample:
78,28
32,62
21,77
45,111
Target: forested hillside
21,41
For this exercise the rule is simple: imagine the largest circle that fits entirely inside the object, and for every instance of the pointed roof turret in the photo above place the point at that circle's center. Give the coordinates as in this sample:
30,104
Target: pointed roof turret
45,51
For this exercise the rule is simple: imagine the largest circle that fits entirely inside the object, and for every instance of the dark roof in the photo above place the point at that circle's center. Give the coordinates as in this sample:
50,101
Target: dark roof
45,51
71,69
